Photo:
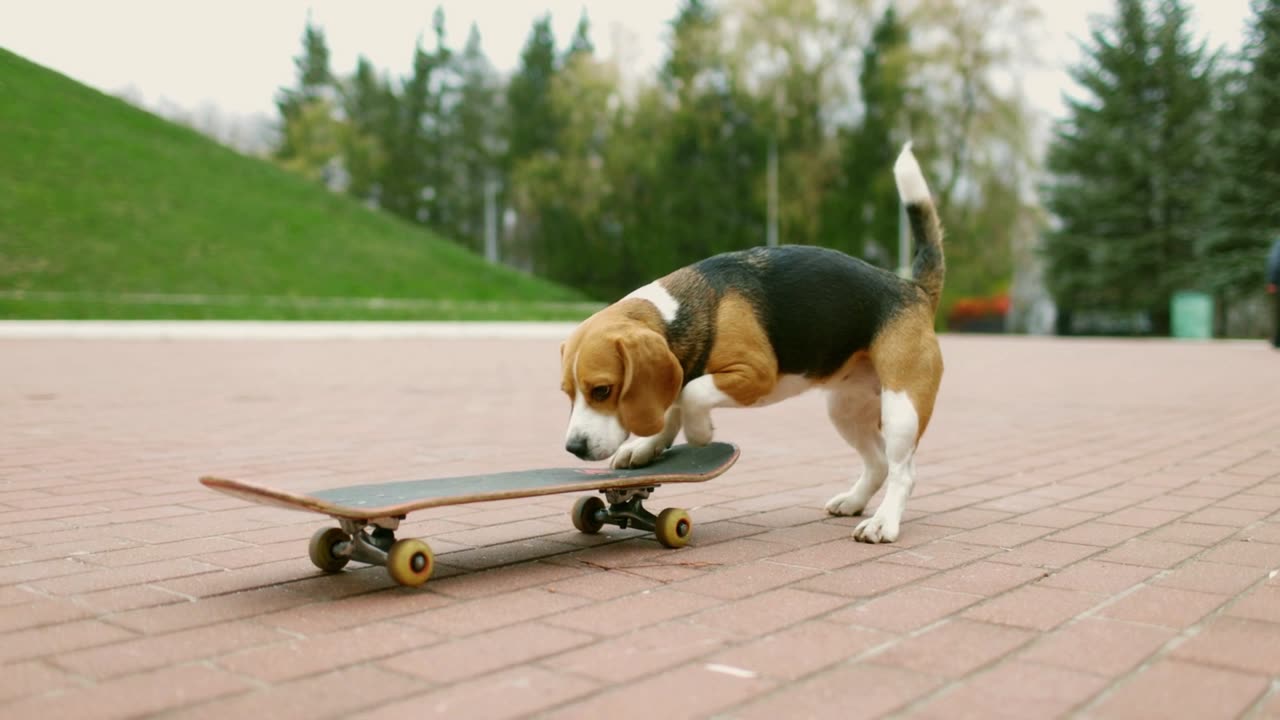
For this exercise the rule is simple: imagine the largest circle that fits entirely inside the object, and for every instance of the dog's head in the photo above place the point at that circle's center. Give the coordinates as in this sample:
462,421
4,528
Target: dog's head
621,377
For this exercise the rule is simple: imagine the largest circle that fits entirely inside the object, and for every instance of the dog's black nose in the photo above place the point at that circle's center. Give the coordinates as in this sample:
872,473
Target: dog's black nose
578,446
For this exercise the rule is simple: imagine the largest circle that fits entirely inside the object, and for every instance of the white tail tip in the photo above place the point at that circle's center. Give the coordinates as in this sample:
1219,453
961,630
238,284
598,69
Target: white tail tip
911,185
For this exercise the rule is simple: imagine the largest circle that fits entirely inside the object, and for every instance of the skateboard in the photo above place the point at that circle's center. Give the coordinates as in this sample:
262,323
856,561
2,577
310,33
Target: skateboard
369,515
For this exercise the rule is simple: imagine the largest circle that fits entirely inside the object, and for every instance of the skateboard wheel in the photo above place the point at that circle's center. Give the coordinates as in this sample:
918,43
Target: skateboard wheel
584,514
673,528
321,549
410,562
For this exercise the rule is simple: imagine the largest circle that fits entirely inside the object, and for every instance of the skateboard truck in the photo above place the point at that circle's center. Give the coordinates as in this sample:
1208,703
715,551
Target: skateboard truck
409,561
672,527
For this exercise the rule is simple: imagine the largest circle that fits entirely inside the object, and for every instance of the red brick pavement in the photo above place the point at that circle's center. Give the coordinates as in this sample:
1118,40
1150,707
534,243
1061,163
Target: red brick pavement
1095,533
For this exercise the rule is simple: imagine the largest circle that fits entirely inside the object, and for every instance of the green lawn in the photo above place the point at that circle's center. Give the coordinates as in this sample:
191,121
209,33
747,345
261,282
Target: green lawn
99,200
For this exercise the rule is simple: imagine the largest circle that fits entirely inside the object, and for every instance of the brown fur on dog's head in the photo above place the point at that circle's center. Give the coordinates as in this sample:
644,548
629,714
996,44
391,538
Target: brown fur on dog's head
620,375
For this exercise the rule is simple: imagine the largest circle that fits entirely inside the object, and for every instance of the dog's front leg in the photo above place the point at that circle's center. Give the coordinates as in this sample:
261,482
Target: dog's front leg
697,400
639,451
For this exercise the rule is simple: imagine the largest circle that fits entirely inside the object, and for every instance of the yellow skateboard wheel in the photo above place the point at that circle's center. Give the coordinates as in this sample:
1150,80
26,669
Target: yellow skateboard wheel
321,549
674,527
410,562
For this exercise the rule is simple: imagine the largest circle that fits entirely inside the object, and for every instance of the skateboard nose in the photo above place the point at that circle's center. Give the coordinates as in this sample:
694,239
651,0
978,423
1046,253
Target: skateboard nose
577,445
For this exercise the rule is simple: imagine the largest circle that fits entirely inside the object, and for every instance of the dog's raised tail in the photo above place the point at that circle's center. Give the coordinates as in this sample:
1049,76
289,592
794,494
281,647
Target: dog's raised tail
929,268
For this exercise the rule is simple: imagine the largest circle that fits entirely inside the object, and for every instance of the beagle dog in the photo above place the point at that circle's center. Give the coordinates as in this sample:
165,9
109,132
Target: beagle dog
754,327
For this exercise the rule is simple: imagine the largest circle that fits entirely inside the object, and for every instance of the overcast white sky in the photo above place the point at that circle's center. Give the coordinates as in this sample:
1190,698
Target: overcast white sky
235,54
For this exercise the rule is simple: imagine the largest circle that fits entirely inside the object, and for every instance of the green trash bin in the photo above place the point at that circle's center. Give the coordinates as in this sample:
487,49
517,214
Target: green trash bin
1192,315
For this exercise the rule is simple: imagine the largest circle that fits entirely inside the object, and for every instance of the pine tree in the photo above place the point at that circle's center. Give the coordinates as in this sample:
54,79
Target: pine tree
314,78
714,142
1128,166
532,125
369,105
861,208
475,136
414,171
581,43
1248,211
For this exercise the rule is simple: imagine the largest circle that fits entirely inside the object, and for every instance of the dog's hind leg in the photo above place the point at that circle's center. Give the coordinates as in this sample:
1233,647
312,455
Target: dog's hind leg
855,412
900,425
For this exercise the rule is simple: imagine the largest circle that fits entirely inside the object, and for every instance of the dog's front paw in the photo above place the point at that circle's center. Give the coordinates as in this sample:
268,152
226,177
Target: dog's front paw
698,430
846,503
876,529
637,452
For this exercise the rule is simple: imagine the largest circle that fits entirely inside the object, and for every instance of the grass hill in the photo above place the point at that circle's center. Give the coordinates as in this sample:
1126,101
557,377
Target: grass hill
109,211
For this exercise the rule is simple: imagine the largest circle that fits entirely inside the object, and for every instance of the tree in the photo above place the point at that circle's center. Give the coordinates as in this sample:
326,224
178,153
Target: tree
793,56
313,79
1128,166
414,171
711,140
532,124
860,211
581,43
369,106
1248,213
475,142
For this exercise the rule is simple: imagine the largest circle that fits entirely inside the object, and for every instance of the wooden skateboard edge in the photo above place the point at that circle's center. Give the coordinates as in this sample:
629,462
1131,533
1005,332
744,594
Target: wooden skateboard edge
262,495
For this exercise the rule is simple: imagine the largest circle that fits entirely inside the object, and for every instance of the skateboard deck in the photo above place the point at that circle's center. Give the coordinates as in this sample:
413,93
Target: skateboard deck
383,505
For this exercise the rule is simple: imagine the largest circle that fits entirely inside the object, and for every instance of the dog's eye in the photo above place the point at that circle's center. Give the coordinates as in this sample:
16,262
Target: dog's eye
600,393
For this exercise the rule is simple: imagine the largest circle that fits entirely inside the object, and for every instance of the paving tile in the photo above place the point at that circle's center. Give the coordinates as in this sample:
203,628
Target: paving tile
1045,554
1230,642
984,578
1098,533
1167,606
1211,577
968,518
1003,534
1262,603
768,611
1098,577
33,677
52,639
328,694
623,656
317,654
905,609
740,581
864,689
1106,647
834,555
1055,517
631,612
134,695
954,649
475,655
157,651
1190,533
1150,553
1012,690
518,692
940,554
1034,607
1174,690
1231,517
1140,517
696,690
1241,552
801,649
864,580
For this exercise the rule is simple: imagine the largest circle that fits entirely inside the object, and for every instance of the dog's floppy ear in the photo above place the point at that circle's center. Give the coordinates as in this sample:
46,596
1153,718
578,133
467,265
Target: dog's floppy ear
651,380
